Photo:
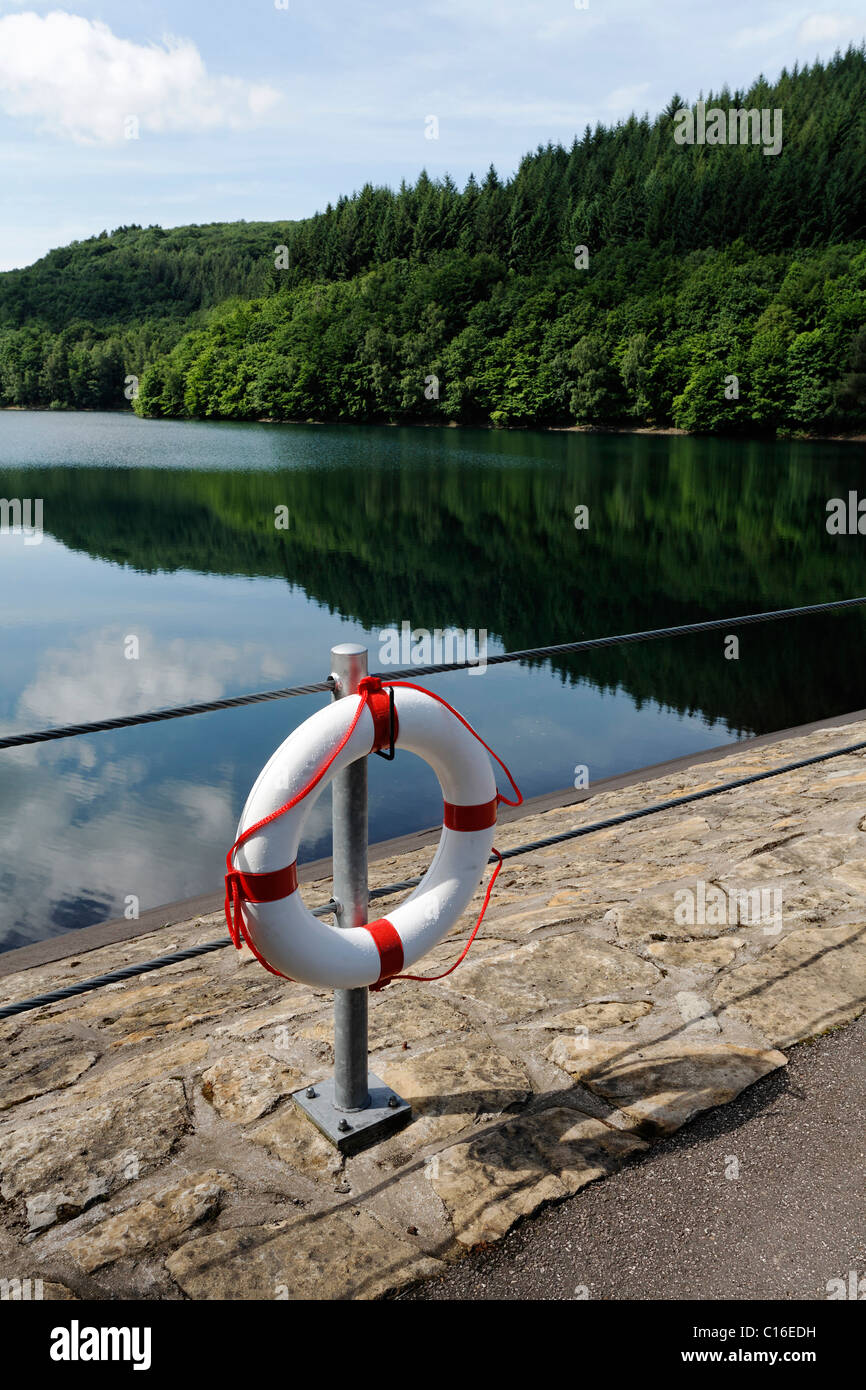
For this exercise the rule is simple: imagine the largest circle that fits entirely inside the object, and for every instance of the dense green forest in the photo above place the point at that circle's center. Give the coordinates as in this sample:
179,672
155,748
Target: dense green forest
722,288
77,323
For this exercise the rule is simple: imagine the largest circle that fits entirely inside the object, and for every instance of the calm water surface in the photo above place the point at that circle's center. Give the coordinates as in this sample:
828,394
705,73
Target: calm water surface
165,532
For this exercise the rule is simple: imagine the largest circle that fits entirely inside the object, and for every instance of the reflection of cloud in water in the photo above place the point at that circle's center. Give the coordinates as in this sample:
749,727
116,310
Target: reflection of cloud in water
94,680
81,834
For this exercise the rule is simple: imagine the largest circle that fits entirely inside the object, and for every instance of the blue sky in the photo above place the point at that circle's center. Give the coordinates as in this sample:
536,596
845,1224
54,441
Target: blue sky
248,109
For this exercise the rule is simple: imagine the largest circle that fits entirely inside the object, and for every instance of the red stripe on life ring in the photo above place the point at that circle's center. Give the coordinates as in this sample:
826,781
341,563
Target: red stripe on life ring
470,817
389,946
268,887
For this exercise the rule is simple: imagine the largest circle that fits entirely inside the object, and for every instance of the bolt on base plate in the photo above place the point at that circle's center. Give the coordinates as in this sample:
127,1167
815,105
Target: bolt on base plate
352,1130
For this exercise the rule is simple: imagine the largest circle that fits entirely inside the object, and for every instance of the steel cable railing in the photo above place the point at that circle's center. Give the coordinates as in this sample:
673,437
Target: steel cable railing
100,726
591,644
560,649
129,971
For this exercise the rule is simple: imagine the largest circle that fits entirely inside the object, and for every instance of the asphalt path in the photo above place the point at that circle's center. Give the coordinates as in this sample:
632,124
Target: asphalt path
764,1198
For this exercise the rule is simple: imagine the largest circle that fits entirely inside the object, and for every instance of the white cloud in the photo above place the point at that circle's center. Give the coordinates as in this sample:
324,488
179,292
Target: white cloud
82,827
92,679
74,78
821,28
627,99
761,33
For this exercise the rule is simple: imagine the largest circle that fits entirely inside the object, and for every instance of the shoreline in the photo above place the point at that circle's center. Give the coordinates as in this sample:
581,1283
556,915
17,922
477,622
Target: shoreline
164,916
850,437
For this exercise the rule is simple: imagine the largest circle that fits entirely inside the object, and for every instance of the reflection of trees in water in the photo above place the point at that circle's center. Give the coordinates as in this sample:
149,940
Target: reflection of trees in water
680,530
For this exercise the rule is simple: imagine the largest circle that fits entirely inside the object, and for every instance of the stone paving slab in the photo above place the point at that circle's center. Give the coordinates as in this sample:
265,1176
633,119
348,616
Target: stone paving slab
620,985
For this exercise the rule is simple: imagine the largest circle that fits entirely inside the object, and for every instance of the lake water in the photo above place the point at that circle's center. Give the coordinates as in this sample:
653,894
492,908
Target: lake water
164,532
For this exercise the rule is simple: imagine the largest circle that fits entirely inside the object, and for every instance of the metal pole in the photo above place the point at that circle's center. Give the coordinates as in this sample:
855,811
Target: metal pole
349,792
355,1108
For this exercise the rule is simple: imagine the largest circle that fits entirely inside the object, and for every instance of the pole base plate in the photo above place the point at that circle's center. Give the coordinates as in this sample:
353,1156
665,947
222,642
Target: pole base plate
385,1115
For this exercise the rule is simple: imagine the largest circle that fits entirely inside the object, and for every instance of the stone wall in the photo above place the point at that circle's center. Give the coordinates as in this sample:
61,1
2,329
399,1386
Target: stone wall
621,984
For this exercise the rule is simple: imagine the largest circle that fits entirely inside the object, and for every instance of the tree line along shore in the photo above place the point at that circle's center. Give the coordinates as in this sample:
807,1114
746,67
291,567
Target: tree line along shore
629,280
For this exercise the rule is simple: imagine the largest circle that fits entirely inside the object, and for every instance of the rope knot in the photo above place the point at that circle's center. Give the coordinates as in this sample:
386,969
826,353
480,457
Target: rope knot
369,685
380,703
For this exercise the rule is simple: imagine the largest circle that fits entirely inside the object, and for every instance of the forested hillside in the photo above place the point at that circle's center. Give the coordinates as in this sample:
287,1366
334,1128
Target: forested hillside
703,263
75,324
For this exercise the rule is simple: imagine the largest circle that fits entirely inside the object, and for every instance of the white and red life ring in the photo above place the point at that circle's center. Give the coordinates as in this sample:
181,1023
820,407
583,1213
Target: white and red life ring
262,882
